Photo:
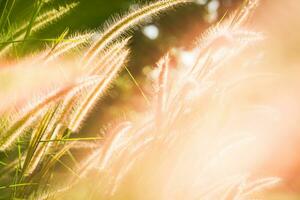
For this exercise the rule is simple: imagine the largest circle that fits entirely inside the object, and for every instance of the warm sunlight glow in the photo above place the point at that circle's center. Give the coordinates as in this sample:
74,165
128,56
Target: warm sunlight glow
188,58
176,110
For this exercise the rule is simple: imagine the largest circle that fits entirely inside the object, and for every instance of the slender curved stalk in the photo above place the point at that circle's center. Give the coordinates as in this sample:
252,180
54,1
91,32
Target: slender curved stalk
126,23
96,93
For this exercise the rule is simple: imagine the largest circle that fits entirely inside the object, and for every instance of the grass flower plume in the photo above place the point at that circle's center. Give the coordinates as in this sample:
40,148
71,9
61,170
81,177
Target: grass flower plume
185,145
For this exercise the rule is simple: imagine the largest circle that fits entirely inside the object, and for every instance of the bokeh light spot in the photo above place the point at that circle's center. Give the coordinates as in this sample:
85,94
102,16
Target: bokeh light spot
213,6
201,2
151,31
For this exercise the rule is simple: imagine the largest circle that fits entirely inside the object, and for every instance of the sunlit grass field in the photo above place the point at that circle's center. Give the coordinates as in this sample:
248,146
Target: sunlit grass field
167,99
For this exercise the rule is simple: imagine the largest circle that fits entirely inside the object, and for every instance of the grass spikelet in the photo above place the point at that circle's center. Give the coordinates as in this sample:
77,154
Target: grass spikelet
30,114
162,87
67,45
229,192
51,16
92,97
50,194
243,14
125,23
57,125
56,128
10,137
17,129
46,18
69,100
89,163
227,33
261,185
39,23
218,47
112,144
105,61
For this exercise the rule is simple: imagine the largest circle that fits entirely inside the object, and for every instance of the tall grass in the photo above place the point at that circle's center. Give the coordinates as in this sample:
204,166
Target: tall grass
159,146
41,132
